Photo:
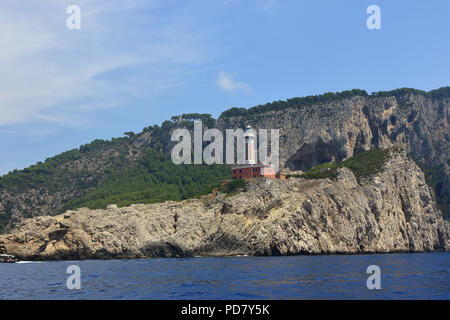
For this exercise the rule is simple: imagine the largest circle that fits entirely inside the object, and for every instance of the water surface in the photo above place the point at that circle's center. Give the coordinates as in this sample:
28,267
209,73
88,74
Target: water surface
403,276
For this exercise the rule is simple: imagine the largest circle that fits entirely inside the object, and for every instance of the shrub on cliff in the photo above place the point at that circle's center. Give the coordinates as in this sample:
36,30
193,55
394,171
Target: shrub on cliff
232,186
362,164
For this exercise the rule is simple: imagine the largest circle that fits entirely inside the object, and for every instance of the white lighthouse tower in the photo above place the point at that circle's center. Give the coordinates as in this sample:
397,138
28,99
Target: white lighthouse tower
250,169
250,142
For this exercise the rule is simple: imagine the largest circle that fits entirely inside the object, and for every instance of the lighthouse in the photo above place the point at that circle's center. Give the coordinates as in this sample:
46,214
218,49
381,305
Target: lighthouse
250,151
251,168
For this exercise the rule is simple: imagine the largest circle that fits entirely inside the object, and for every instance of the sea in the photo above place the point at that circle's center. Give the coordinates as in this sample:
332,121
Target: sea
400,276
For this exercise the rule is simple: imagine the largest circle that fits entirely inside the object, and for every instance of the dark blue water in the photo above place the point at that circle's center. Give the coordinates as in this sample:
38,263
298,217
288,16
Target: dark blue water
403,276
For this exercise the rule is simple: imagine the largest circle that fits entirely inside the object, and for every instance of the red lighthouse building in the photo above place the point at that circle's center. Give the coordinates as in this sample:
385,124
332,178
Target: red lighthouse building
253,171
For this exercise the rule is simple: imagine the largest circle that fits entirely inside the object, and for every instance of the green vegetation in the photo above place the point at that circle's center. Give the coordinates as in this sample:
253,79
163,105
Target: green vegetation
56,172
362,165
398,93
231,187
51,174
440,93
294,103
154,179
4,219
443,92
189,118
433,177
106,171
366,163
300,103
321,171
433,174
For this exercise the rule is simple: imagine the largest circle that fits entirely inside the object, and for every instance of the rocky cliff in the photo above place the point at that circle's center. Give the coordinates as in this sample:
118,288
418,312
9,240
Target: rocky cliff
320,130
338,129
390,211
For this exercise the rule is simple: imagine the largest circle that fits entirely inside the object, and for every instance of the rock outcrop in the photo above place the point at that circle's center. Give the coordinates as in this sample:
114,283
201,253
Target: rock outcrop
391,211
309,135
336,130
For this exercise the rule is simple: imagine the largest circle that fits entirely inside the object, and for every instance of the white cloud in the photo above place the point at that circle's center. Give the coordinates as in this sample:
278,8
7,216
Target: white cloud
48,70
225,82
267,4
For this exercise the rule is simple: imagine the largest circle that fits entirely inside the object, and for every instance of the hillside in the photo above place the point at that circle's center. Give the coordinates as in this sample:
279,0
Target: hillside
390,209
313,130
334,127
122,171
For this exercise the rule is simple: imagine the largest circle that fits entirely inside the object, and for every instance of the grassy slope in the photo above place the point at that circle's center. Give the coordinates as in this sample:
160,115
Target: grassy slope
362,165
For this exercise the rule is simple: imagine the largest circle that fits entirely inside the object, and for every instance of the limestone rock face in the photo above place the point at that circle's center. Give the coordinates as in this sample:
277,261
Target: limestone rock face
322,132
337,130
391,211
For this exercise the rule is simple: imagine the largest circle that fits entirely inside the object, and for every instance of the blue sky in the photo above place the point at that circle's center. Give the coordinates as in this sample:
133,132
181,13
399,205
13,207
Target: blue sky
137,63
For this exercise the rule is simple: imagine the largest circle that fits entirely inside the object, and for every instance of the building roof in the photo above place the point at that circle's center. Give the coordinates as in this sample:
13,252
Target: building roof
241,166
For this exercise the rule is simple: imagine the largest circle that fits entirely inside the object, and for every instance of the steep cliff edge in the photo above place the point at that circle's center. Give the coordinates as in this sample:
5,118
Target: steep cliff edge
313,130
390,211
337,129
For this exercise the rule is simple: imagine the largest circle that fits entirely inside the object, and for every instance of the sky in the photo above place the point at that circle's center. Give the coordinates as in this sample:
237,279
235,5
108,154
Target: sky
135,63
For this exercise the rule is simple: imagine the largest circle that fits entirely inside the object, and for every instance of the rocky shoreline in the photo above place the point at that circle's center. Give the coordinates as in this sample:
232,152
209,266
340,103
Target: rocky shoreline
391,211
